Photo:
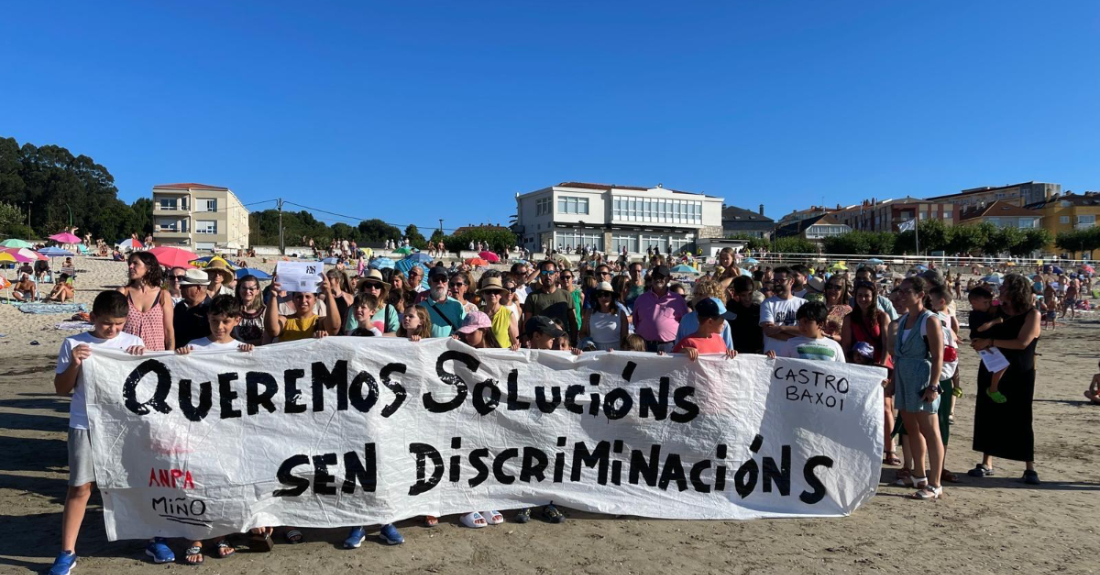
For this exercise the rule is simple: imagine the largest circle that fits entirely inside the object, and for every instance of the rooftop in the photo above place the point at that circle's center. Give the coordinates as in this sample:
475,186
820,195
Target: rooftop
1086,199
998,209
736,214
595,186
984,189
189,186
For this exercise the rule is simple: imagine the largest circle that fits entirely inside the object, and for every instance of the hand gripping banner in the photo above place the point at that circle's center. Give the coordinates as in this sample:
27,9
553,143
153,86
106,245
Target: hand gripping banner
357,431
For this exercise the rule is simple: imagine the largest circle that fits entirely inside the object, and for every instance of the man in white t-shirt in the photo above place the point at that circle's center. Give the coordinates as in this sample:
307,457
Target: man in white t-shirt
778,314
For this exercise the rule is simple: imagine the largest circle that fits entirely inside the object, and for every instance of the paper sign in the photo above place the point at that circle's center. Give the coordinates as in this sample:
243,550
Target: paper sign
300,276
371,430
993,359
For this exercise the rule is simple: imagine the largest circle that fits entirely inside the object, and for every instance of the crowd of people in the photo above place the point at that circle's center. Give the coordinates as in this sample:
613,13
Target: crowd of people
906,323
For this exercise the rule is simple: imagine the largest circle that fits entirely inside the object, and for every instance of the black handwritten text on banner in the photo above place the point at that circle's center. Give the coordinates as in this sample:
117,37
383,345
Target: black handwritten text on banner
354,431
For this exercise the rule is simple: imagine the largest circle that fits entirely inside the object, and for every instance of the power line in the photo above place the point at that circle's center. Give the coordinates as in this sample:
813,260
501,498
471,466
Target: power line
360,219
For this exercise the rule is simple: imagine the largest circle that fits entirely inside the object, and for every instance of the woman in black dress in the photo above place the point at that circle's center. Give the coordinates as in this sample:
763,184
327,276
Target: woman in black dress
1004,429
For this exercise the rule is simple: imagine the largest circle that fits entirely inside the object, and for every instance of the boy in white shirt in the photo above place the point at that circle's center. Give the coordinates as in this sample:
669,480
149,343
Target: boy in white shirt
224,315
811,344
108,316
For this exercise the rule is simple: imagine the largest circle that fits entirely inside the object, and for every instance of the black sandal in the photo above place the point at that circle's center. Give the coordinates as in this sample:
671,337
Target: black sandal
550,514
980,470
195,551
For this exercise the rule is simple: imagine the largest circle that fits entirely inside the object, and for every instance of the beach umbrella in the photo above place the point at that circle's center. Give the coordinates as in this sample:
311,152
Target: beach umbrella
1088,269
875,261
5,257
994,279
684,269
518,261
489,256
14,243
420,258
258,273
203,262
55,252
173,257
130,244
381,264
1058,270
476,262
65,238
24,255
403,250
329,261
367,252
750,261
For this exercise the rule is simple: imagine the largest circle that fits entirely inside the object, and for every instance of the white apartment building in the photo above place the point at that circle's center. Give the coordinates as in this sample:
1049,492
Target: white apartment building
609,217
199,217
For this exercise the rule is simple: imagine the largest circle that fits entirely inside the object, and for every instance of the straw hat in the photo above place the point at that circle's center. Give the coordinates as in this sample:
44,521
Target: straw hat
605,286
373,275
491,284
218,266
195,277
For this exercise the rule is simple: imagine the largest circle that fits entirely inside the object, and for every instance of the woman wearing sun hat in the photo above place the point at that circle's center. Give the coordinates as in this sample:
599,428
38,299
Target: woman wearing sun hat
605,323
505,324
220,277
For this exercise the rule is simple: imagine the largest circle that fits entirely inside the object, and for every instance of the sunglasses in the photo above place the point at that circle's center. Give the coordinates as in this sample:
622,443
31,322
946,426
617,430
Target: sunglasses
176,278
372,286
566,277
439,280
832,287
603,273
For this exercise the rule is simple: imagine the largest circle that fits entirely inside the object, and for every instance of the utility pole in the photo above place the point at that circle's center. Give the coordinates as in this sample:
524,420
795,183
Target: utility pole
916,232
282,246
29,204
440,226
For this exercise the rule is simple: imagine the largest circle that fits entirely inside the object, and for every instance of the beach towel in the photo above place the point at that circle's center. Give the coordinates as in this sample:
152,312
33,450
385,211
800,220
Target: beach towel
73,325
51,308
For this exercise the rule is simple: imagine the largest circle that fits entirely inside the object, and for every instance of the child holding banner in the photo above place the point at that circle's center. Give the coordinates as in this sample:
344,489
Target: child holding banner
708,338
224,315
109,311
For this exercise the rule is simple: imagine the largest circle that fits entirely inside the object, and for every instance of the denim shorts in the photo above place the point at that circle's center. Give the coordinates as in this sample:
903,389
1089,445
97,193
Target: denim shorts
910,380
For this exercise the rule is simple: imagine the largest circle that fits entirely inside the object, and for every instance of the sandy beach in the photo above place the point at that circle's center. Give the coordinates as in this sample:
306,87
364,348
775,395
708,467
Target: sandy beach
992,525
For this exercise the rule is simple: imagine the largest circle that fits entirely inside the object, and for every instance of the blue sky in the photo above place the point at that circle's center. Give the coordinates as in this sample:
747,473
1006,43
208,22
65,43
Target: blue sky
415,111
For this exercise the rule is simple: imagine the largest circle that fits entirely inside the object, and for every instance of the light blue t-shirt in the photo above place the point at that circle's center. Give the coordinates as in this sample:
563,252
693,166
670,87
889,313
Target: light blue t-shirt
441,312
689,324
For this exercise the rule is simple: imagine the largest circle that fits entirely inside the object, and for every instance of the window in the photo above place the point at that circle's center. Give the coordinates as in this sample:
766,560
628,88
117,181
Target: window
206,227
1064,204
572,205
167,203
947,215
1063,219
994,221
1086,221
630,242
542,206
1028,223
575,239
208,205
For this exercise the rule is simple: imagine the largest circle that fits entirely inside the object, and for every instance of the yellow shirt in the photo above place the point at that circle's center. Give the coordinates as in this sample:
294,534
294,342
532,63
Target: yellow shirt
502,321
299,328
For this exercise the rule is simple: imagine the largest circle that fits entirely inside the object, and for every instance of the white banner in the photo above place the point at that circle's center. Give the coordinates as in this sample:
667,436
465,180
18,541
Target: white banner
358,431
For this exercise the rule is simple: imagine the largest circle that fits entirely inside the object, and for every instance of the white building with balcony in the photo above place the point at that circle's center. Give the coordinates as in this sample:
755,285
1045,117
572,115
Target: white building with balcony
609,217
199,217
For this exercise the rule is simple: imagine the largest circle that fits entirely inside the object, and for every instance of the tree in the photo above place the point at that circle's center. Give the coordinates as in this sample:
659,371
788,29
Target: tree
10,217
416,239
934,235
1072,242
437,236
966,239
143,215
345,232
855,243
377,231
881,243
794,245
751,242
1034,240
1003,240
498,240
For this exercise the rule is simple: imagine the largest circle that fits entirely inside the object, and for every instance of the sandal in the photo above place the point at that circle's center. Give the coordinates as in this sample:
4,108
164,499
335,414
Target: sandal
980,470
919,482
903,478
928,493
260,542
193,556
523,516
996,396
294,536
493,517
1031,477
473,520
891,458
550,514
225,549
431,521
949,477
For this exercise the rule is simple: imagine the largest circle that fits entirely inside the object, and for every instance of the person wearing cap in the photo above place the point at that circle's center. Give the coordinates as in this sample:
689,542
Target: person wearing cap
505,325
605,323
445,312
475,330
702,290
657,312
551,301
220,276
707,338
189,318
743,316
